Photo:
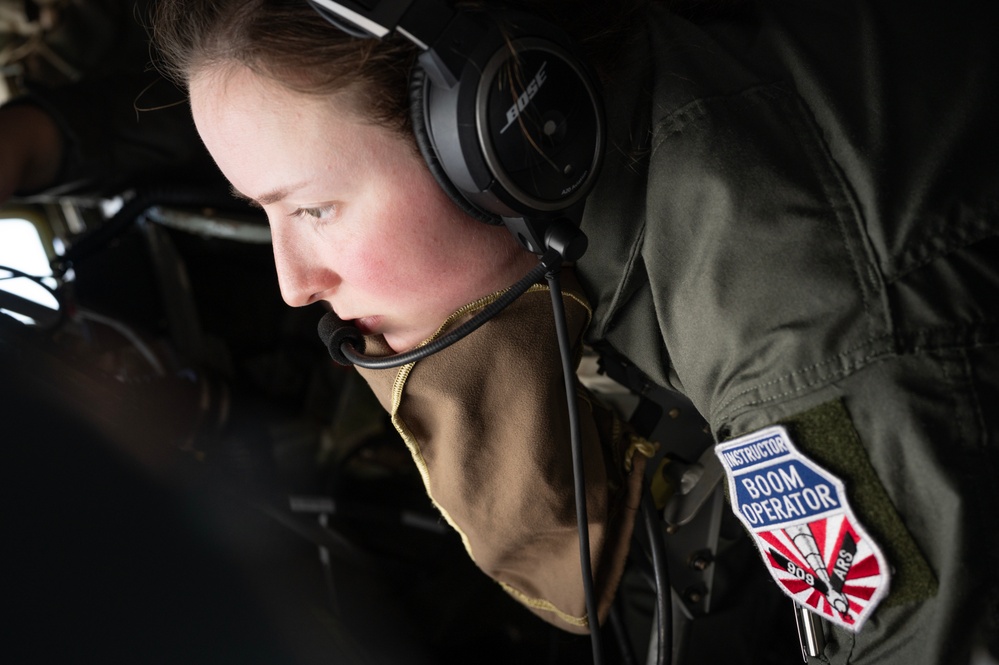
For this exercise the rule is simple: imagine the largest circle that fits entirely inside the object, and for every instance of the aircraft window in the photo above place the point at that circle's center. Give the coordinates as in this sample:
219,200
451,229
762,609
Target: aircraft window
22,250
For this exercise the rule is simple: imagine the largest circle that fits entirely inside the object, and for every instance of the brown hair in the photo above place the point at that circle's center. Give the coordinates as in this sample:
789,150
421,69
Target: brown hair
285,40
288,41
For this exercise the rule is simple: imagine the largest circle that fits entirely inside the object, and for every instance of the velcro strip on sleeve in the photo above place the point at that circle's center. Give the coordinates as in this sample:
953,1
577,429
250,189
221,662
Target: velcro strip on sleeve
827,435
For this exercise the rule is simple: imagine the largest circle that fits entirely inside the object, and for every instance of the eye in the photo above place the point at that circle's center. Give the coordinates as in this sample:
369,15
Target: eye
319,214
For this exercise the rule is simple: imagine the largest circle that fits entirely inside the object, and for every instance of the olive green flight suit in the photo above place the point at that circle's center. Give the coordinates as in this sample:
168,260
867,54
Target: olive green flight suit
796,223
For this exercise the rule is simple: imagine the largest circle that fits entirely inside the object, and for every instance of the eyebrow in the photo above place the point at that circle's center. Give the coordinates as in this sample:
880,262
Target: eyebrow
267,198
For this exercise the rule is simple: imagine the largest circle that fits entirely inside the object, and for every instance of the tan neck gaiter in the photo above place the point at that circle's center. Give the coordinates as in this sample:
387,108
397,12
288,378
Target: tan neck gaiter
486,423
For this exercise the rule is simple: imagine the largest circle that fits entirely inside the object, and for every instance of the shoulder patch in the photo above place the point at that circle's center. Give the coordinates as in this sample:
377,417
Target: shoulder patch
807,534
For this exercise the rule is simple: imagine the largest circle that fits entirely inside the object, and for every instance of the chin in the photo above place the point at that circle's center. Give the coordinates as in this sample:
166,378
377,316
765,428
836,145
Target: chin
400,343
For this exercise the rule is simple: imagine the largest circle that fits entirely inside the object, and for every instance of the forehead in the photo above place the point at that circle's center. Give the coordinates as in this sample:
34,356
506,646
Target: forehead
263,135
219,92
229,80
245,122
234,106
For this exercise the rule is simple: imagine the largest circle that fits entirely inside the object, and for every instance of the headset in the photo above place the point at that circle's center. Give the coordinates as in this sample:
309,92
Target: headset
505,111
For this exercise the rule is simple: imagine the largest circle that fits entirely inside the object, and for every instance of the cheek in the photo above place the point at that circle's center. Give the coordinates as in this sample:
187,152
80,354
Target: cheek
414,239
413,242
372,263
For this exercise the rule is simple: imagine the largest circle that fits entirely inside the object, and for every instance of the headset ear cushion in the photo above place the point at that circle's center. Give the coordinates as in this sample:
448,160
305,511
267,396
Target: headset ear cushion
417,113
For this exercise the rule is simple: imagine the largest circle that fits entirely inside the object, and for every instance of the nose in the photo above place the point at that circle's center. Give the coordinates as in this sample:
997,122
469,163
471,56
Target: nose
303,270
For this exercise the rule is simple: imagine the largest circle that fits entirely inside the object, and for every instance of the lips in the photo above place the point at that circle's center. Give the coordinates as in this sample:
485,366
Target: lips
366,324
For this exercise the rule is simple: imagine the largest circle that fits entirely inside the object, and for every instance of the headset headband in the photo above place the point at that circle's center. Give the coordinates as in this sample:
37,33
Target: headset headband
379,18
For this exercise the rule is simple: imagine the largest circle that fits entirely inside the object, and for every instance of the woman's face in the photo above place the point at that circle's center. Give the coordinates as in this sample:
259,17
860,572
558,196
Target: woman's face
356,218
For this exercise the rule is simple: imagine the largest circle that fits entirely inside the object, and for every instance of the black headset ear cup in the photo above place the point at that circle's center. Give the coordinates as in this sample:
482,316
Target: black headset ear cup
418,116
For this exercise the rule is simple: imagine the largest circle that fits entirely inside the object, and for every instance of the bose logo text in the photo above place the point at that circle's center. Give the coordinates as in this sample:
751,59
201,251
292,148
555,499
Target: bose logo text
525,98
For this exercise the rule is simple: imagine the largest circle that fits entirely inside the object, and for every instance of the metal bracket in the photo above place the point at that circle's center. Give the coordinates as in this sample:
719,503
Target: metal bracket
693,485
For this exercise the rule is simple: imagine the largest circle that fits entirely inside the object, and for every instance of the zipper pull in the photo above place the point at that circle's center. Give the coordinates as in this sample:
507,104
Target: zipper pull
810,634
